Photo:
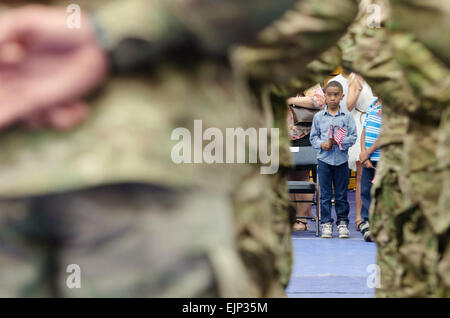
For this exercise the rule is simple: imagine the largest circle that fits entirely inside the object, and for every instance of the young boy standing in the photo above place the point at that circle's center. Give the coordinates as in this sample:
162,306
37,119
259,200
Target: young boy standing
369,157
332,133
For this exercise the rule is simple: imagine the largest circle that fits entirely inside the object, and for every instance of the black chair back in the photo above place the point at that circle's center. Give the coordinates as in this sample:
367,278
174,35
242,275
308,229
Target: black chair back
306,159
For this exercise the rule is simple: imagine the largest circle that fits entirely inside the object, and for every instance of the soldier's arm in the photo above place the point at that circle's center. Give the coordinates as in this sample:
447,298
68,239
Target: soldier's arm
398,66
285,48
154,28
434,17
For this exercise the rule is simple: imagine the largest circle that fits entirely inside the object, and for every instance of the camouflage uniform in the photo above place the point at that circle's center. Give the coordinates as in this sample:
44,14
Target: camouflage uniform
406,63
107,196
276,67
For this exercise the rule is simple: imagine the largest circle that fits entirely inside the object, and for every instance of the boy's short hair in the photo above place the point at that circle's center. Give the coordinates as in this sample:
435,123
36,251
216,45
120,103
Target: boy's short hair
334,84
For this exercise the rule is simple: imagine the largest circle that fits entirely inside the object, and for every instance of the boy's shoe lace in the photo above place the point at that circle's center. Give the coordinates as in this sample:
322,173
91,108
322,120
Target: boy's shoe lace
327,230
343,230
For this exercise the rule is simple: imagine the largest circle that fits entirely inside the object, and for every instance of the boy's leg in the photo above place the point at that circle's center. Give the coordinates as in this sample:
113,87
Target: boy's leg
340,175
366,186
324,172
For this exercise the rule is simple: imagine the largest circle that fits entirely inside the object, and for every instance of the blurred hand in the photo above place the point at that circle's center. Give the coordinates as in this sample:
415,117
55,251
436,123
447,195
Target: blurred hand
62,117
326,146
368,164
363,156
332,142
46,69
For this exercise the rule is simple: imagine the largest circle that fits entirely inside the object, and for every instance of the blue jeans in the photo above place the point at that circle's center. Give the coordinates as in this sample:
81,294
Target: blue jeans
366,185
336,176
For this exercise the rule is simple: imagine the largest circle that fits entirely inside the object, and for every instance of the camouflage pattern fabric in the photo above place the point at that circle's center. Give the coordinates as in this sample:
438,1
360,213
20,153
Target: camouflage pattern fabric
125,240
406,63
277,66
127,140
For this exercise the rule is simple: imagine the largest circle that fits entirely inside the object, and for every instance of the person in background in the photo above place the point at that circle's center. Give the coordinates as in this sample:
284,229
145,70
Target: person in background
360,97
299,136
55,194
369,157
333,159
343,80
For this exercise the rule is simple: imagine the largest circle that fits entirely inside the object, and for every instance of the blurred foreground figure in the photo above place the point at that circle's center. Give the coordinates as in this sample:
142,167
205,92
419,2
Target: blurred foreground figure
86,174
406,61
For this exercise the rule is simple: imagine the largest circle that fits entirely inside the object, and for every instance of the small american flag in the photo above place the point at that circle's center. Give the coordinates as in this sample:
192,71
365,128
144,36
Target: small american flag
339,136
331,132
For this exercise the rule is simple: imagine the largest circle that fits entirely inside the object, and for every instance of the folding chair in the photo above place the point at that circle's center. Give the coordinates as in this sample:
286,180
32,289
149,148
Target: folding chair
306,159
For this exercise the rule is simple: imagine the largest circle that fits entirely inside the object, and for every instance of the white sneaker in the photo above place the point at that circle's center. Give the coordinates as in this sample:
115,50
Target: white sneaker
343,230
327,230
364,228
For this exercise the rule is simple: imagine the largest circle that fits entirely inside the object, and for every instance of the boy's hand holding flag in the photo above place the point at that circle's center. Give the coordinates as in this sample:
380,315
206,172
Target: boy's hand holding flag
331,136
339,136
336,135
331,132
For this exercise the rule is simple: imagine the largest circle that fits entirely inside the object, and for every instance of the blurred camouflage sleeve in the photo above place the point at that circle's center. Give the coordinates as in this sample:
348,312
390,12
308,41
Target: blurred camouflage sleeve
405,62
144,19
135,32
219,24
153,29
434,17
285,48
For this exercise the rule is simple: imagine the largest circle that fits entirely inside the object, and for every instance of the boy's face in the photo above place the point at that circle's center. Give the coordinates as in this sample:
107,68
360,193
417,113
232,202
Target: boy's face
333,96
